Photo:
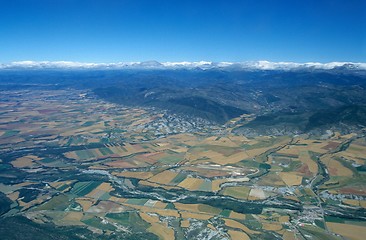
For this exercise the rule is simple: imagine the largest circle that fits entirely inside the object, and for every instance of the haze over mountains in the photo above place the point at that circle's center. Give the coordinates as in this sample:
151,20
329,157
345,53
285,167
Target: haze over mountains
255,65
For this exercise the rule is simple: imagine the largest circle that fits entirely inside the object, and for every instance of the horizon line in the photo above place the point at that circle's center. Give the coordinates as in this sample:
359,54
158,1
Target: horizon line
152,64
173,61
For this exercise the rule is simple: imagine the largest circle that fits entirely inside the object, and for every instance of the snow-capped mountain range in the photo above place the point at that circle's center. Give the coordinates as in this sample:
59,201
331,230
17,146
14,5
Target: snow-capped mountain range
250,65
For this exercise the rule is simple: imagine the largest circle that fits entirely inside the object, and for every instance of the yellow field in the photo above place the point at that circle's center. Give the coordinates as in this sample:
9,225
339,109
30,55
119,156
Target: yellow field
234,158
284,219
355,151
85,203
185,223
187,207
271,226
222,141
118,199
236,235
159,204
163,177
23,162
100,190
106,187
353,232
336,168
290,178
289,235
24,184
33,157
79,130
213,156
191,184
179,149
71,155
234,224
210,226
13,196
292,198
139,122
216,184
351,202
99,167
149,218
236,215
59,184
93,140
162,231
185,138
255,152
146,183
292,150
157,228
238,139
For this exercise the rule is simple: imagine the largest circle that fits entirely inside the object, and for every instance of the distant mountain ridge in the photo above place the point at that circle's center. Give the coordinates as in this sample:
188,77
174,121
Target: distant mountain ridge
281,98
249,65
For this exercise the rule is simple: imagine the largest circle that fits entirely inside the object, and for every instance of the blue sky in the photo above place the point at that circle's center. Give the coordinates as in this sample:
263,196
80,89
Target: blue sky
169,30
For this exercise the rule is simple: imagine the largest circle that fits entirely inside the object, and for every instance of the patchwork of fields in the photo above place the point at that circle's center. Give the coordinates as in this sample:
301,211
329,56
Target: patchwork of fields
70,159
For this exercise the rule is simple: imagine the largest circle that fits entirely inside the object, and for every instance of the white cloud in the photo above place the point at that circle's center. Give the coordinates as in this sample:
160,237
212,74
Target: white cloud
251,65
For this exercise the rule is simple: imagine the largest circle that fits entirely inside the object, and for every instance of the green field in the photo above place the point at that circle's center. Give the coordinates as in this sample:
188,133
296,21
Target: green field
237,192
318,233
48,160
263,143
206,186
62,187
97,223
209,209
57,203
105,151
179,178
225,213
85,154
129,219
10,133
137,201
83,188
171,159
224,150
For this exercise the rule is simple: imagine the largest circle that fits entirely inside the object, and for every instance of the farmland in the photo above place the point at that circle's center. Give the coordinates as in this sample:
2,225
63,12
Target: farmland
114,171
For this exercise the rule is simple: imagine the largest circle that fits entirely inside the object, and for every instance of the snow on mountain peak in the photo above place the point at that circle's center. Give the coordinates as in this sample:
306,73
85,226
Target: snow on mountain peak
250,65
